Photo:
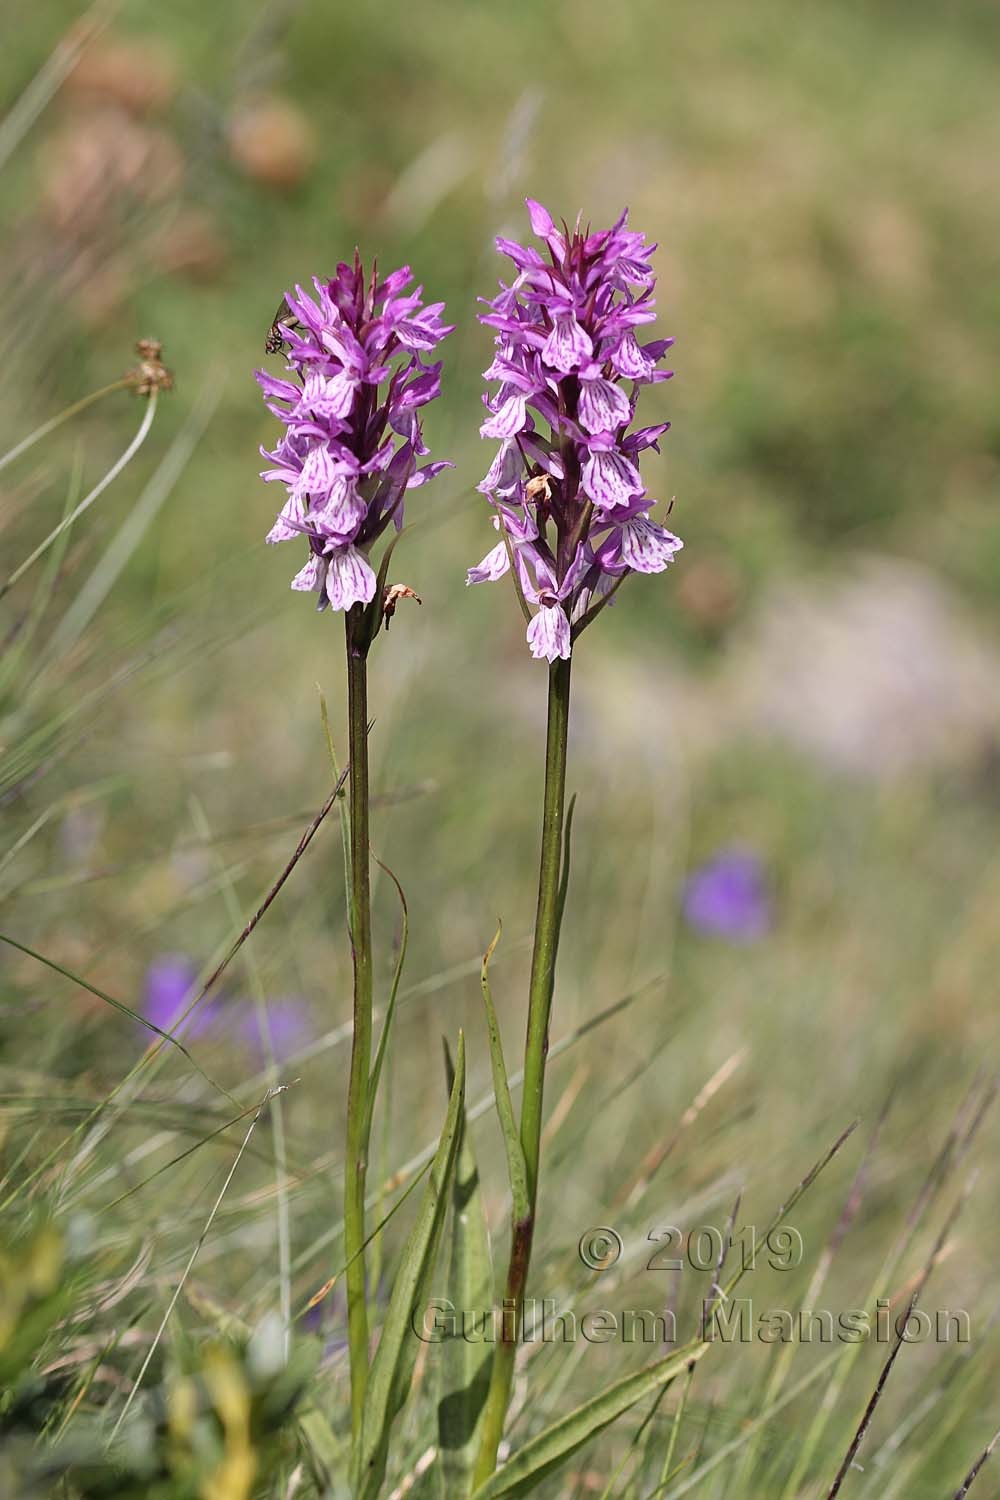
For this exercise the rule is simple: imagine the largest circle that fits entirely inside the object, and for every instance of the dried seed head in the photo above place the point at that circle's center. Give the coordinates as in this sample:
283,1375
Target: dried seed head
151,374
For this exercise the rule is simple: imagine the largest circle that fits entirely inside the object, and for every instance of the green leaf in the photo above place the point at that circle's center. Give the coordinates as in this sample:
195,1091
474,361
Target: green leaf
390,1009
229,1324
564,868
324,1453
544,1453
465,1362
343,804
392,1367
516,1170
35,1294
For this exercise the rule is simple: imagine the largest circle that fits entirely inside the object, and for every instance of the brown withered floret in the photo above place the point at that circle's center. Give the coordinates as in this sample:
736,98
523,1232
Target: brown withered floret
151,374
393,594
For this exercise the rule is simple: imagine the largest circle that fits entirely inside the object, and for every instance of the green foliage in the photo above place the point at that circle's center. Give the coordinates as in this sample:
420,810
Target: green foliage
516,1170
219,1423
822,194
33,1296
463,1362
392,1367
547,1452
221,1427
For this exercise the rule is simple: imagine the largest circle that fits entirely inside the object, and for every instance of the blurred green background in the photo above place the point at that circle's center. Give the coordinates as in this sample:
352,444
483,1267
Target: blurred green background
816,682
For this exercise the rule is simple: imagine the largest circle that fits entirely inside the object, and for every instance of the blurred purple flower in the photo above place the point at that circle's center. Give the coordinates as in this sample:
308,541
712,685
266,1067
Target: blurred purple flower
728,897
170,985
565,485
289,1027
168,988
352,437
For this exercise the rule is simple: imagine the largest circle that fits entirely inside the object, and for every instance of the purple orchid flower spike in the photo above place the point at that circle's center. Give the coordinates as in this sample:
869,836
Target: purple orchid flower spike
359,372
565,482
352,437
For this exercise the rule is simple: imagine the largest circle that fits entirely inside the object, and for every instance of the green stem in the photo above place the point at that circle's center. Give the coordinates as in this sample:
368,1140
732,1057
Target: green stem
543,957
88,500
356,1163
63,416
543,963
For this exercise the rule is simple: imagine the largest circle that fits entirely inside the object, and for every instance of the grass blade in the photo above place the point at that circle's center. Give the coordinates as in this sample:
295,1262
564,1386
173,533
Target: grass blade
165,1036
140,517
782,1365
668,1458
283,1234
960,1135
966,1484
564,867
516,1170
876,1396
49,78
465,1362
390,1009
392,1367
782,1213
134,1390
482,1105
546,1452
694,1480
88,500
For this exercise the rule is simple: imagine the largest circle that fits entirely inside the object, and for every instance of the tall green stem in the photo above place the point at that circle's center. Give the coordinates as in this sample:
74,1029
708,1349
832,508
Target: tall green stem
543,964
356,1163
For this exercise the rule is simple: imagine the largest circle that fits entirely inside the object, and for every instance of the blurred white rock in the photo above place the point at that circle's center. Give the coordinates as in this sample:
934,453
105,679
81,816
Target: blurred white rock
878,670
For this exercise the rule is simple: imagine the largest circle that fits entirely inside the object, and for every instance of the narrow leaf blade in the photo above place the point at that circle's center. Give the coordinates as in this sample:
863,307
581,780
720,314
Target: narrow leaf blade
564,868
390,1009
516,1169
546,1452
392,1367
465,1362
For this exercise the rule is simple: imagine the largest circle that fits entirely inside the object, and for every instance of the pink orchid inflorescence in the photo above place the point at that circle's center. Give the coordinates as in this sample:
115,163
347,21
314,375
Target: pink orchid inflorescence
570,504
353,439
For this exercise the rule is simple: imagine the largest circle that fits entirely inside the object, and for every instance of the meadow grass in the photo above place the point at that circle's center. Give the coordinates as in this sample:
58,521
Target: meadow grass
818,186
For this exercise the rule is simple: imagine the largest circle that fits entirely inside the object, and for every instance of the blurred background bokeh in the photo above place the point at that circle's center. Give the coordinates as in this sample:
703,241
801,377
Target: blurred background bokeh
784,749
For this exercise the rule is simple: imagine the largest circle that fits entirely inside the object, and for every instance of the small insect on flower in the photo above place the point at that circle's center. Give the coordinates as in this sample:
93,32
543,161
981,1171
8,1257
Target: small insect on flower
275,341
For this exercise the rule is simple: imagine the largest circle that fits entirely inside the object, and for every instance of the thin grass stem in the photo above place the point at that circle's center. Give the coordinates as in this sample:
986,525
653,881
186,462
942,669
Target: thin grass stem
50,77
282,1217
64,416
190,1264
88,500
